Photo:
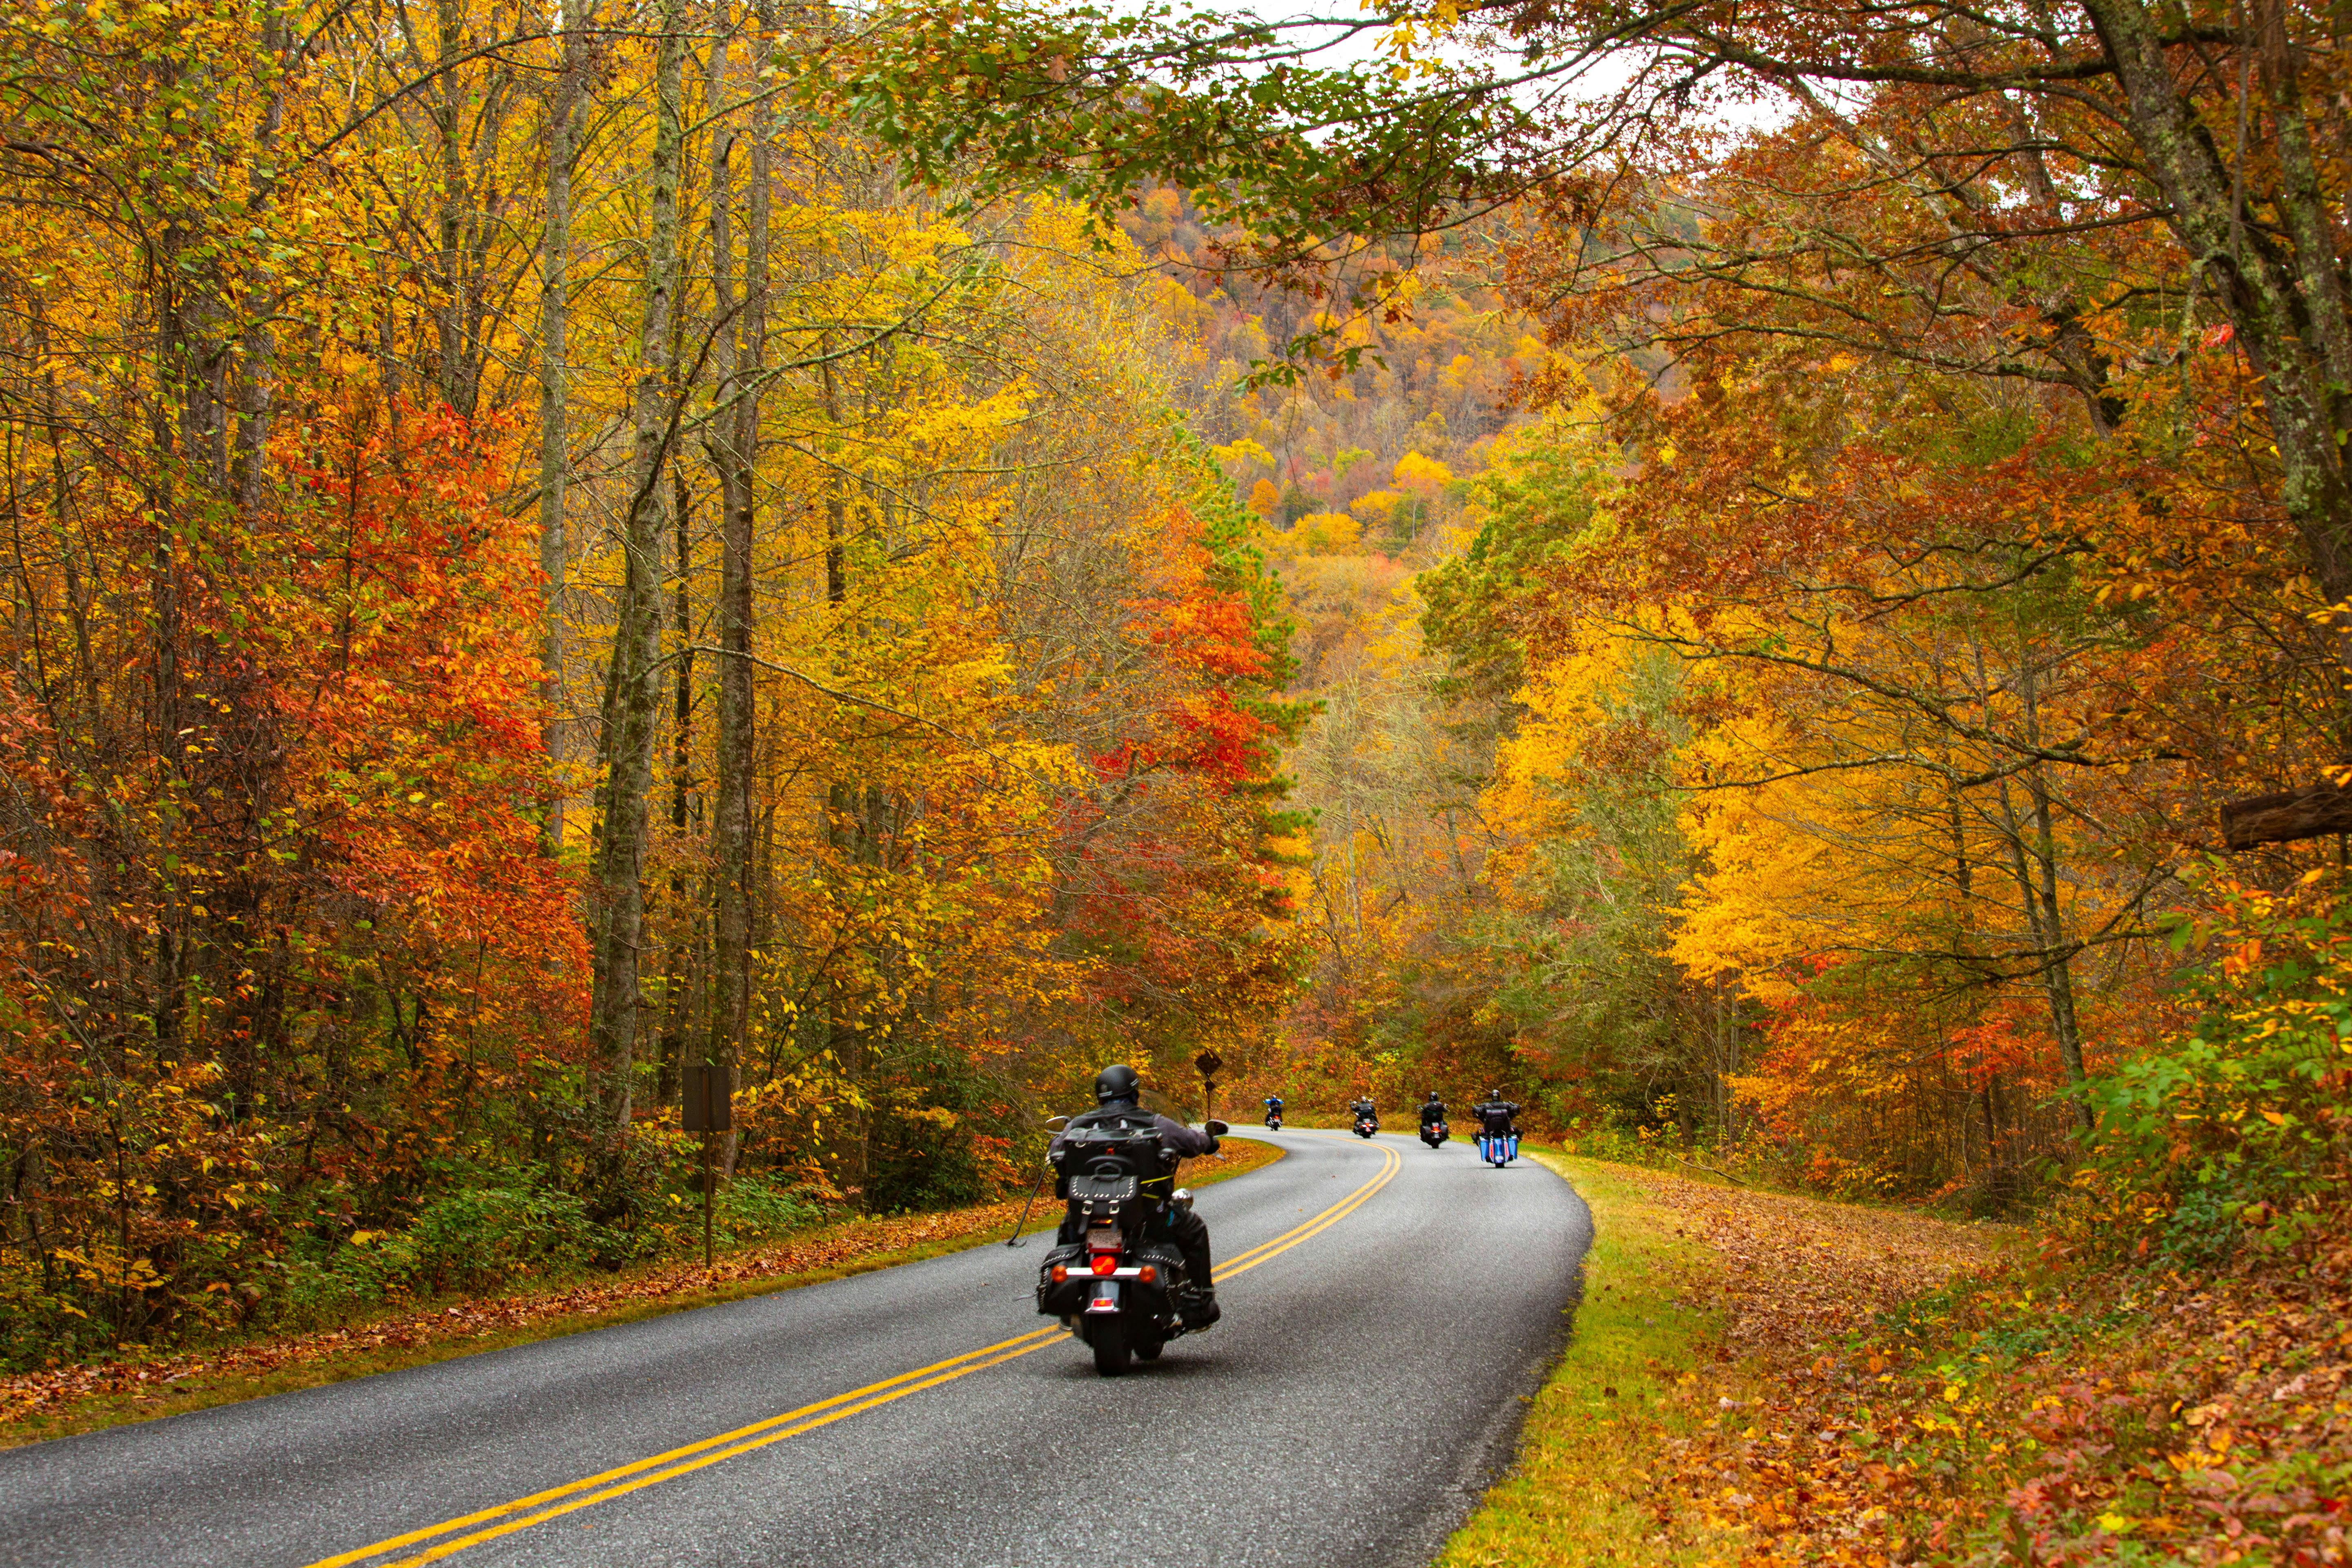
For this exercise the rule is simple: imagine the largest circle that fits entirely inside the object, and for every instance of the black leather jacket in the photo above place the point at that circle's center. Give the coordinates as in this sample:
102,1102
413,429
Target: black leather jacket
1187,1142
1432,1112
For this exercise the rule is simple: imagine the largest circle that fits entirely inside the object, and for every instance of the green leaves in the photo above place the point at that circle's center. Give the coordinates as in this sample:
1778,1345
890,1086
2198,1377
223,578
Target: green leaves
996,98
2243,1116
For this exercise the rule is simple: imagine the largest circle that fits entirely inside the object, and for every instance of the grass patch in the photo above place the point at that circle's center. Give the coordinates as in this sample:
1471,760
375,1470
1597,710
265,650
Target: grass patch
1581,1491
61,1401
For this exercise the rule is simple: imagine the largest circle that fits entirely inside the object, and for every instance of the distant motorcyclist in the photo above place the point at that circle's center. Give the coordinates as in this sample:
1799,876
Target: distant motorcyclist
1118,1092
1362,1110
1496,1114
1274,1110
1433,1109
1498,1117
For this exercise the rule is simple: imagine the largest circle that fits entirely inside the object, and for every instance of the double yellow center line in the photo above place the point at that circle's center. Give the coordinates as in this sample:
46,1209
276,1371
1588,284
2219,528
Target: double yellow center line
453,1536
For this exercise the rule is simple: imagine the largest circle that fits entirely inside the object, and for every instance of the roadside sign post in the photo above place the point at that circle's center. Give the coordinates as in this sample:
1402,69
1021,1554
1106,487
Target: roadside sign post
707,1108
1208,1062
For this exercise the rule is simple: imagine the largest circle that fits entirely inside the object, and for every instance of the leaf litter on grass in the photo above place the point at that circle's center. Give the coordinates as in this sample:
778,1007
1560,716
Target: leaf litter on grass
1884,1388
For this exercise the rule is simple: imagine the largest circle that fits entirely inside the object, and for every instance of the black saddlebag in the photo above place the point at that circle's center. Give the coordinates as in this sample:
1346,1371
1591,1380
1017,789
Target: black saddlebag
1072,1294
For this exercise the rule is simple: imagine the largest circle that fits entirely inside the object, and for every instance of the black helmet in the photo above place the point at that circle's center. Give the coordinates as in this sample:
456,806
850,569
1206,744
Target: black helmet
1117,1082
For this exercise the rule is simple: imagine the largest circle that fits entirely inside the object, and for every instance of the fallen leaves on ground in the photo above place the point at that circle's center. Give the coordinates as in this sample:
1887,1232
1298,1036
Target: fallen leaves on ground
1890,1389
147,1378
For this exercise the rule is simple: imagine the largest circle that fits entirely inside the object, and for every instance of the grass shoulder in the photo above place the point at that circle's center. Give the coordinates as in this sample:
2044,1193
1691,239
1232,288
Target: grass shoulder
61,1401
1692,1296
1643,1326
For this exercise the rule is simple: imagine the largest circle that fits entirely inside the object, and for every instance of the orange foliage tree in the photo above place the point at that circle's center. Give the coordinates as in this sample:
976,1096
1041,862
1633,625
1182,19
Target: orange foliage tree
279,962
302,655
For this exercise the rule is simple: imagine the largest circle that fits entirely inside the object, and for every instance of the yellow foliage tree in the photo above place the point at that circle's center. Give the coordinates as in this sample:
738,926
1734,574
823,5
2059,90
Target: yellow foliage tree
1326,533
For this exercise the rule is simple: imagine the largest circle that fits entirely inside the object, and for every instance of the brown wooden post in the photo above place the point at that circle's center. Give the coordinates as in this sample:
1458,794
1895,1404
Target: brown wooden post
706,1107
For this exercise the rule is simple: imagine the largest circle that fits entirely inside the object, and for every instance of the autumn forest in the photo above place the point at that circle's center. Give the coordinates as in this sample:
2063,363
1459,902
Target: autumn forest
1714,568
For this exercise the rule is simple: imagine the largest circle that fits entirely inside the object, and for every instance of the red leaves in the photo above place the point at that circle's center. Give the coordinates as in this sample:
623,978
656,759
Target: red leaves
311,789
1172,888
1208,638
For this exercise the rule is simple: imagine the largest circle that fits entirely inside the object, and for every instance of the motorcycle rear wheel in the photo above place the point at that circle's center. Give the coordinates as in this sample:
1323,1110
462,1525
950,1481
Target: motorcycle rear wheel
1110,1347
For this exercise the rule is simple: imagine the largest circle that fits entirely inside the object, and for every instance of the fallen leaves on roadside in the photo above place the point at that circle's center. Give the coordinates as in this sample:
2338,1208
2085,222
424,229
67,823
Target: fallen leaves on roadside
1916,1393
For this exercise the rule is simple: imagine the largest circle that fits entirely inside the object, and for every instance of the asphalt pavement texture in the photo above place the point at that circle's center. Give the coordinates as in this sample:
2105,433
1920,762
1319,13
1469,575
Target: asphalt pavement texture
1366,1383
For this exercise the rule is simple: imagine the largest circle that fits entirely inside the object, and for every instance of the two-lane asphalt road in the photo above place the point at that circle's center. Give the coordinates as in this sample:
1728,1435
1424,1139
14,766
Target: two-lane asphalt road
1386,1307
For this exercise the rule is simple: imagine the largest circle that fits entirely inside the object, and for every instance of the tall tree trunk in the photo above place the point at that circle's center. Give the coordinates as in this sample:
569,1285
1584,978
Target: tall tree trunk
633,684
684,918
839,809
736,457
2036,869
2059,975
257,362
554,402
452,373
2280,283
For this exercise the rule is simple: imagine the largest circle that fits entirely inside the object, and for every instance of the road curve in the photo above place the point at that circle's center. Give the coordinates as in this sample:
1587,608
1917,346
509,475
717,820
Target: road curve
1386,1307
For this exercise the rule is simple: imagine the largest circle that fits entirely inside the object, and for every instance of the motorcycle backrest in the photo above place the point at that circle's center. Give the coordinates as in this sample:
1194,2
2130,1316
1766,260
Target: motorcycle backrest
1125,1148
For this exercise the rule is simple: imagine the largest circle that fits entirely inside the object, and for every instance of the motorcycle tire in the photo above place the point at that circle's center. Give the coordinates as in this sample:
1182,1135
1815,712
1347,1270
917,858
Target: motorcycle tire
1111,1348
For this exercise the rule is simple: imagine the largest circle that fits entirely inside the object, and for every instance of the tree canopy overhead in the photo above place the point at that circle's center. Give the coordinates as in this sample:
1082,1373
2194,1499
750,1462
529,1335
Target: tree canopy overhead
2058,193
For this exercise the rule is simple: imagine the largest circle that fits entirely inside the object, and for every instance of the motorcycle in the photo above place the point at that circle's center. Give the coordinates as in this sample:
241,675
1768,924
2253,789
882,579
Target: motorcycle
1498,1149
1434,1132
1367,1124
1121,1291
1274,1121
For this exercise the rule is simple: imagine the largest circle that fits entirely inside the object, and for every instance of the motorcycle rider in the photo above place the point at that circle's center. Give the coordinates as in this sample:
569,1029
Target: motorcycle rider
1432,1111
1498,1117
1363,1106
1272,1107
1118,1091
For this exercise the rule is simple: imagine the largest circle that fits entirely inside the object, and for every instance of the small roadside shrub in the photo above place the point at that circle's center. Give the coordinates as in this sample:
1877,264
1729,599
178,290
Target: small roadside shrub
751,1207
470,1239
2241,1129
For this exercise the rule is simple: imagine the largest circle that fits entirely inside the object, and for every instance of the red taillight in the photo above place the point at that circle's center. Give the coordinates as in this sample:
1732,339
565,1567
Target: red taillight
1148,1274
1105,1262
1060,1274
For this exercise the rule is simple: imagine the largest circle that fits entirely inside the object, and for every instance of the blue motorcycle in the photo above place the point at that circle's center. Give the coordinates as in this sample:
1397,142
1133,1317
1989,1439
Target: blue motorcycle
1498,1149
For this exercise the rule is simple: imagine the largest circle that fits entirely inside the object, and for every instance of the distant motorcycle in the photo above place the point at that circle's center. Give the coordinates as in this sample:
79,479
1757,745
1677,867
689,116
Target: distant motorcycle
1434,1132
1498,1149
1274,1121
1121,1290
1367,1124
